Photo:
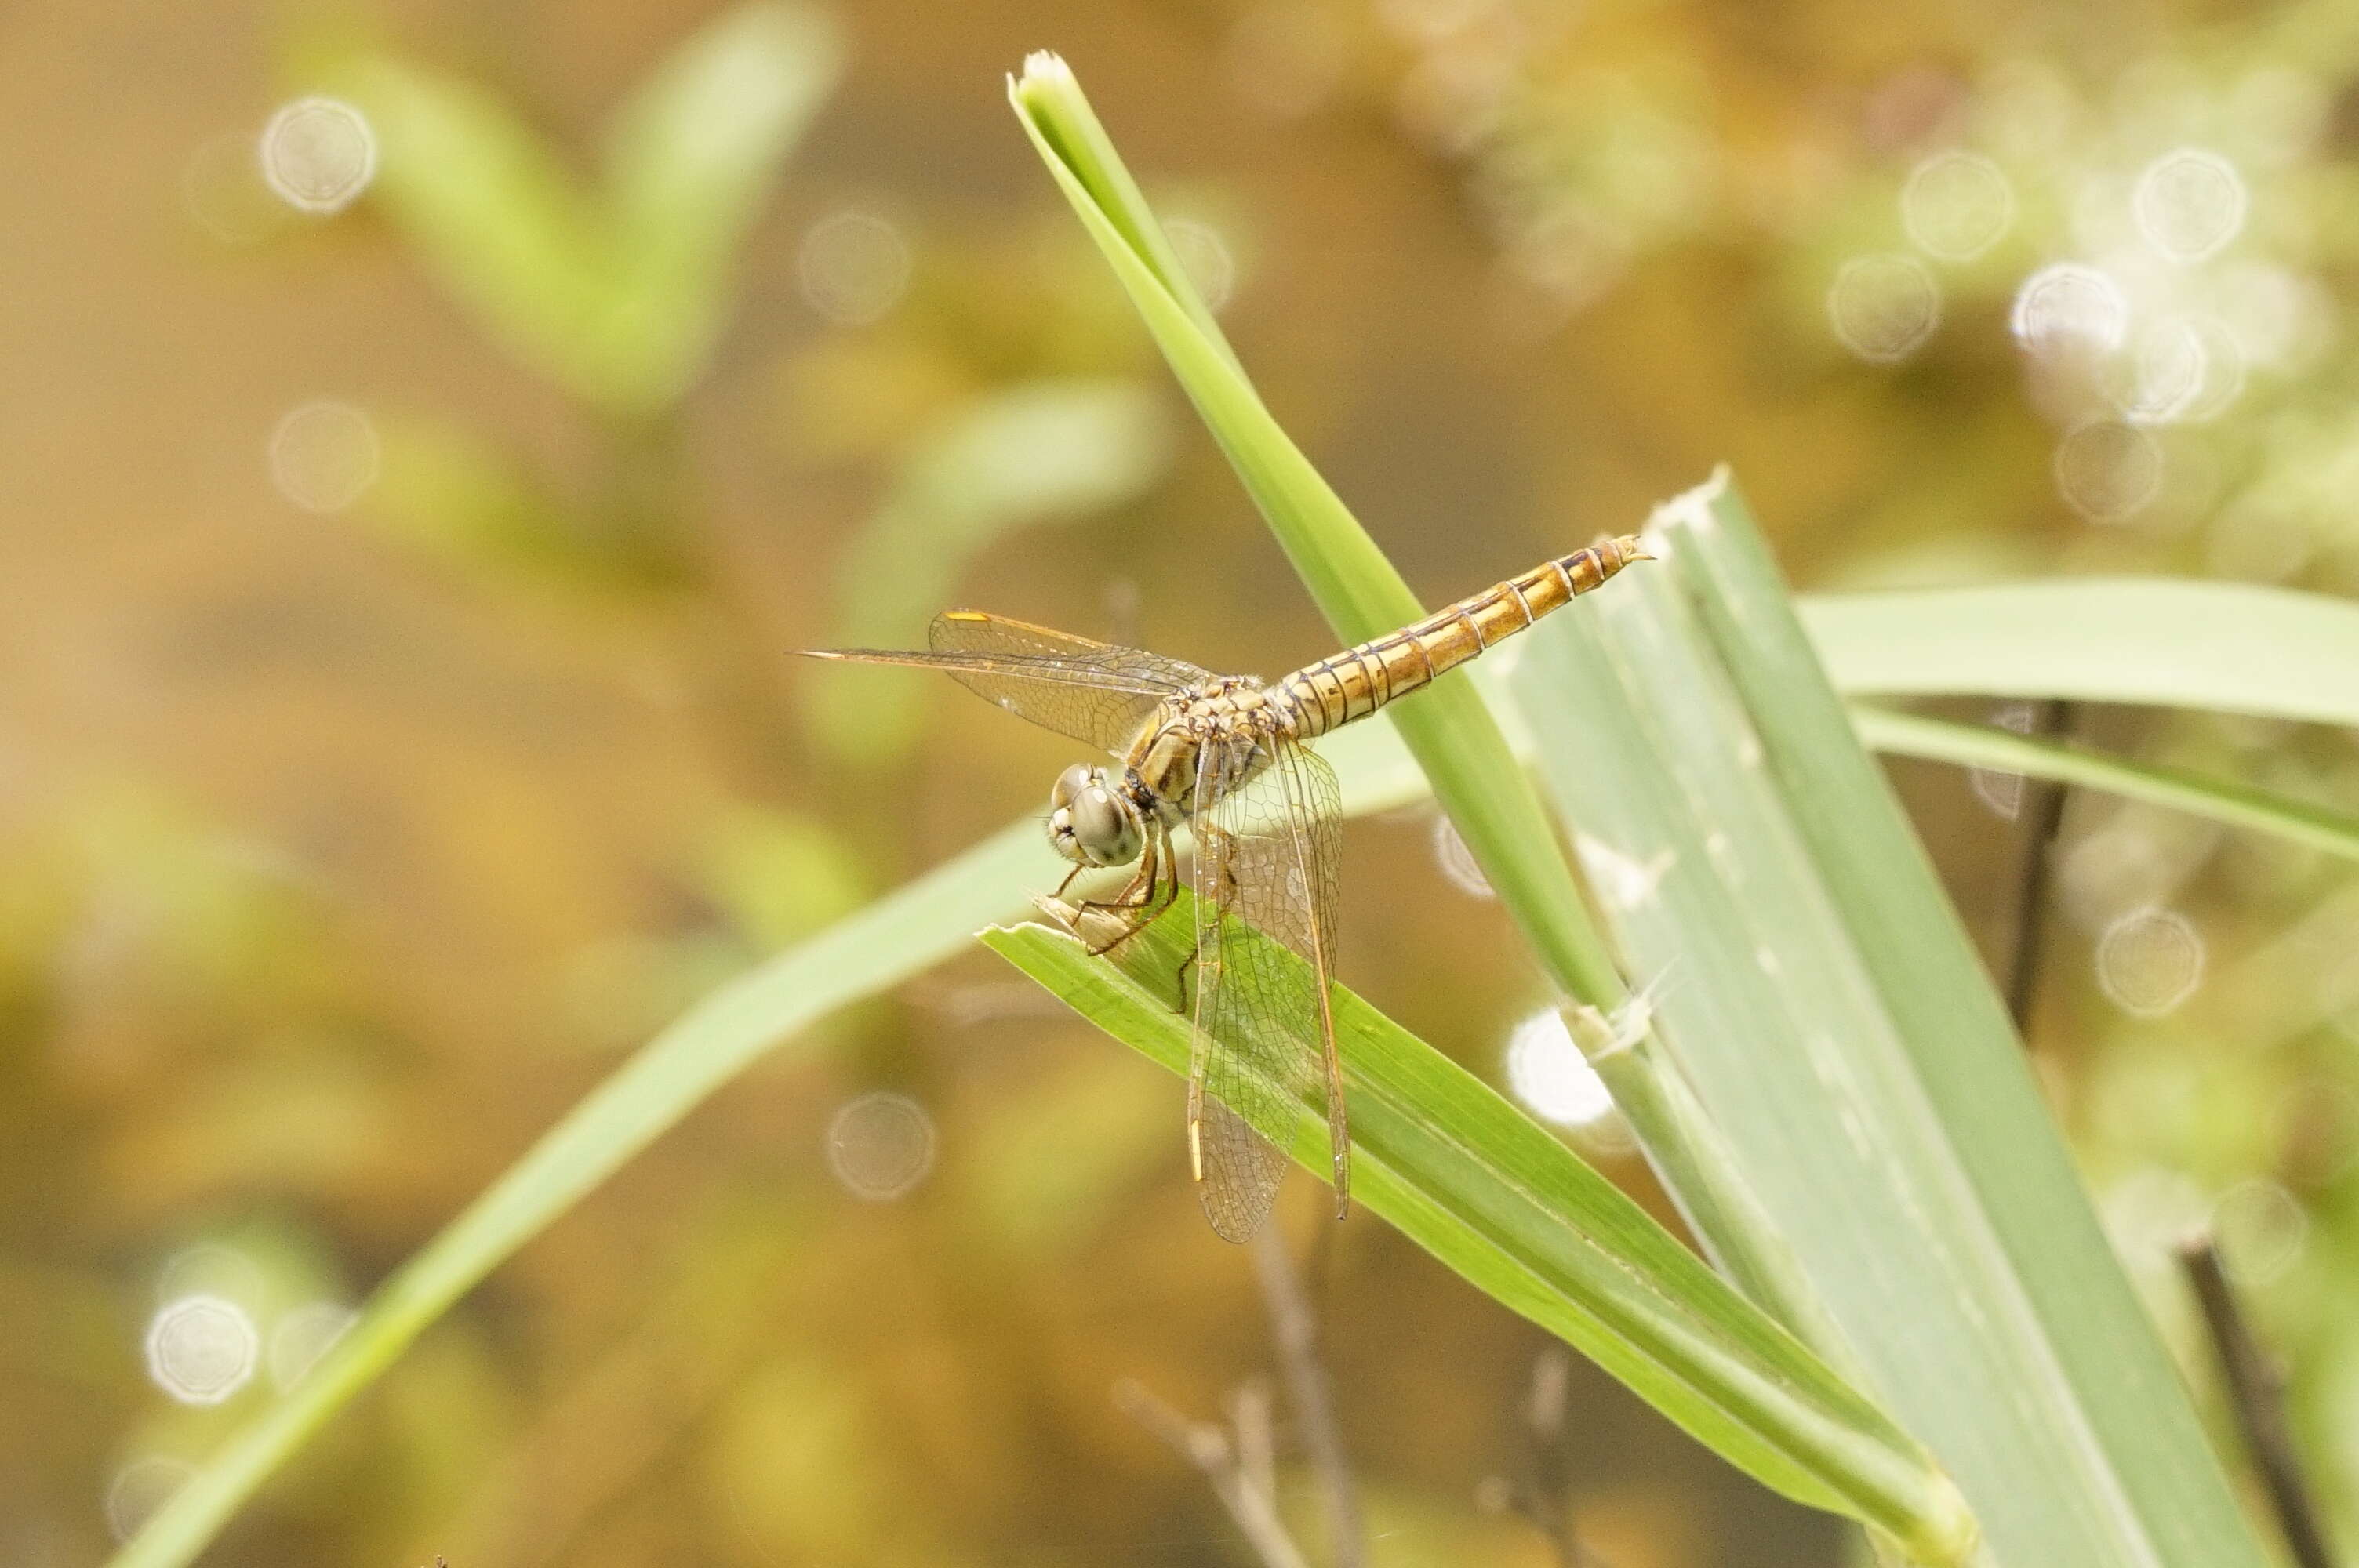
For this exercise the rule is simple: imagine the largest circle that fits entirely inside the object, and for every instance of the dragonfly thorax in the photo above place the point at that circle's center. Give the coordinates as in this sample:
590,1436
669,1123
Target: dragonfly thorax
1090,821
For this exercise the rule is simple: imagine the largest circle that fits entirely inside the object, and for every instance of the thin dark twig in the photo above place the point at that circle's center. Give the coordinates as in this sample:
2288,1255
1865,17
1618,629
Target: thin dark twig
1206,1448
1538,1494
2256,1392
2051,720
1296,1332
1550,1466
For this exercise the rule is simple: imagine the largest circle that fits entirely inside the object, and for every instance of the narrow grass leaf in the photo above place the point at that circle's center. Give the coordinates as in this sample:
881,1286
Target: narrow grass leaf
892,939
2224,801
1453,735
1480,1186
2236,647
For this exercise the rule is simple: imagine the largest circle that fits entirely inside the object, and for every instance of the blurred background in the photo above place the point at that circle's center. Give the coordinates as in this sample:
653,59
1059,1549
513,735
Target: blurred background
428,428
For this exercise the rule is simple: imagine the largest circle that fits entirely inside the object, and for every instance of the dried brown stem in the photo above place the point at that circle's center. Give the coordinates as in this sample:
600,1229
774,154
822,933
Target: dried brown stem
1207,1448
1256,1423
1296,1332
1539,1493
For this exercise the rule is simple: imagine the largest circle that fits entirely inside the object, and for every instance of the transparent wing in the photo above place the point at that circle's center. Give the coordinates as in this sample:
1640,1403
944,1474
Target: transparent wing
1267,844
1097,693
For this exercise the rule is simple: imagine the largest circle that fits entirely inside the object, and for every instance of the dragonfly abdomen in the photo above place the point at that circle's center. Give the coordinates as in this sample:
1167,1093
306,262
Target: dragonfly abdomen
1357,681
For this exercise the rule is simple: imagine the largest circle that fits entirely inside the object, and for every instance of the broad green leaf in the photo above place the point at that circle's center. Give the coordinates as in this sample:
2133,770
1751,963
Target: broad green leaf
1840,1033
1443,1158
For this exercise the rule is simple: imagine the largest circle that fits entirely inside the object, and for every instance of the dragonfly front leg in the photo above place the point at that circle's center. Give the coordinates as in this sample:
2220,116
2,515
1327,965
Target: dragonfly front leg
1144,898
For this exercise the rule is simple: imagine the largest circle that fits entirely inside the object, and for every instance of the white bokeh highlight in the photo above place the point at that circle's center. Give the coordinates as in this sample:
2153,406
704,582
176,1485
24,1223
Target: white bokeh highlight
2069,307
201,1349
1205,256
301,1335
1999,790
1883,307
2149,961
1956,205
318,155
2150,1211
1547,1072
324,455
1457,861
142,1487
2108,470
880,1146
2189,204
853,266
2262,1229
2184,371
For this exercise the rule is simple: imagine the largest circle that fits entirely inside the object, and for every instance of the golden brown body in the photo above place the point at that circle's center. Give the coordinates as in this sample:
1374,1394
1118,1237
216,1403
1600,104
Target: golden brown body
1357,681
1163,761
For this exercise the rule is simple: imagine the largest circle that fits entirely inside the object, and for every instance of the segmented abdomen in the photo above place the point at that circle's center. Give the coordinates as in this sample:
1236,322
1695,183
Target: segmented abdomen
1357,681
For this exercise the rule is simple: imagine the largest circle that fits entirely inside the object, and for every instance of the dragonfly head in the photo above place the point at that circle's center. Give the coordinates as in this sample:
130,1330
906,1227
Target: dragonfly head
1091,822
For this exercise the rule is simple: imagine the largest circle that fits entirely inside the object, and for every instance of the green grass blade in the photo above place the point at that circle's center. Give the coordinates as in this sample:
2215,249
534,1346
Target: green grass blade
1453,735
1468,1177
1835,1022
2231,647
2223,801
1449,729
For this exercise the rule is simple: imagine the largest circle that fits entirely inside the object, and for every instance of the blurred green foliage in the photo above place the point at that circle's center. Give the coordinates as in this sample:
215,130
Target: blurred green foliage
620,293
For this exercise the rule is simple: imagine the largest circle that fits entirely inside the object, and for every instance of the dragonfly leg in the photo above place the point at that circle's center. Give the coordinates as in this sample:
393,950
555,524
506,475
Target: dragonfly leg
1144,898
1179,981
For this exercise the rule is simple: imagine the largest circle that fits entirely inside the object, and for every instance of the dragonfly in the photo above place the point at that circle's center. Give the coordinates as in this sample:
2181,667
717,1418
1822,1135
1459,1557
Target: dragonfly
1225,760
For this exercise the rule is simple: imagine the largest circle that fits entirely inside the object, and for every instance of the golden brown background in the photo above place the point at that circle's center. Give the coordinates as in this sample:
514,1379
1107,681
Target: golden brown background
357,819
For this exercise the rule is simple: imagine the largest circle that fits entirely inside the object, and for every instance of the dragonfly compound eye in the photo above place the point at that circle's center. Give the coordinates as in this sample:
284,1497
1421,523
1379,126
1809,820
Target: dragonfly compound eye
1090,823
